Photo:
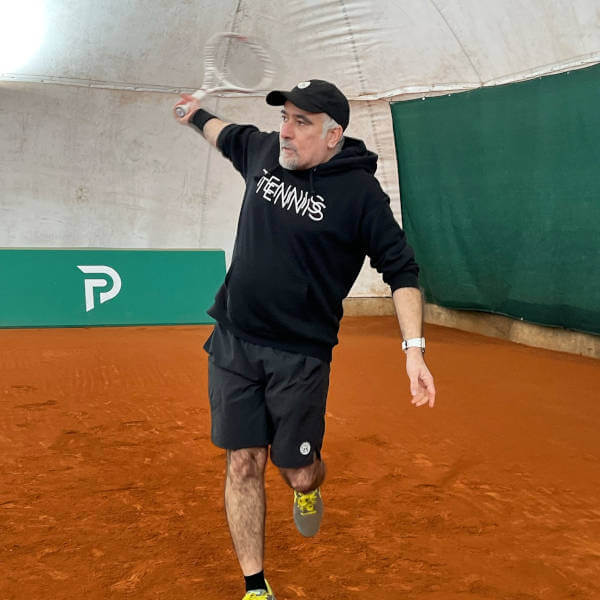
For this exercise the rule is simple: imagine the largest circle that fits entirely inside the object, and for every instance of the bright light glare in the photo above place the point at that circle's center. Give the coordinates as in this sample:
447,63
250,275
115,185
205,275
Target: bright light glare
21,32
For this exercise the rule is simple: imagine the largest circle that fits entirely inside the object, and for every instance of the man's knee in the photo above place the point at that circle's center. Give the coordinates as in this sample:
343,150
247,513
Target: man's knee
247,463
305,479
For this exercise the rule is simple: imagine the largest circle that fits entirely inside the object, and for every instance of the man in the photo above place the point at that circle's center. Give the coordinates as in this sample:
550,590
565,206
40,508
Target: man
312,211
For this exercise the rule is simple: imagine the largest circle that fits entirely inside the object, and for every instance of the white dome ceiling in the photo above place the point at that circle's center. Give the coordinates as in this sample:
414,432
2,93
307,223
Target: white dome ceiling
371,48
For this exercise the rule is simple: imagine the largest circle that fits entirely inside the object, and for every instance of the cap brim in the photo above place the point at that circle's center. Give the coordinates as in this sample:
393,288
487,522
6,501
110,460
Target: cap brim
276,98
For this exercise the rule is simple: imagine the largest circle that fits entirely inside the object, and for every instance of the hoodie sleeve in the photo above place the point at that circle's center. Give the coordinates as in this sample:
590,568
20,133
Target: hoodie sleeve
386,246
238,143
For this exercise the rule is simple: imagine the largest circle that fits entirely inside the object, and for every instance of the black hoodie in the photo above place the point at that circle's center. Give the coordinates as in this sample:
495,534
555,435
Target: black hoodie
301,241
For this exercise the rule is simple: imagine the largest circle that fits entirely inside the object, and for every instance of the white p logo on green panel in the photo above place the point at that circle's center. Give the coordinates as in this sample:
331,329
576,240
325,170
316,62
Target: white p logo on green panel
91,284
55,287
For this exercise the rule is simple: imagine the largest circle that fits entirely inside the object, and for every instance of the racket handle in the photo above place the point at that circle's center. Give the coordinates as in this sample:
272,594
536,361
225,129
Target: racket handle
183,109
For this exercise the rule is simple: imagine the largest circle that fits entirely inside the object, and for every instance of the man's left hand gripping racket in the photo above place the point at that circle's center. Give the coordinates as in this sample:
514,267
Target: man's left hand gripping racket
232,63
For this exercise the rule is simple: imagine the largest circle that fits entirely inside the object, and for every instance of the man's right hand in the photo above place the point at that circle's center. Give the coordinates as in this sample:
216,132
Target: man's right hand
193,106
211,128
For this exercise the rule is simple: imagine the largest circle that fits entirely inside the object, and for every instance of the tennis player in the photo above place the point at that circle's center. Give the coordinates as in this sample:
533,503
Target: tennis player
312,210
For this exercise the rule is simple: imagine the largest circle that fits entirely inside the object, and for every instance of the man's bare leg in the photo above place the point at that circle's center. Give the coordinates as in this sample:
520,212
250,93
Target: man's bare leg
245,505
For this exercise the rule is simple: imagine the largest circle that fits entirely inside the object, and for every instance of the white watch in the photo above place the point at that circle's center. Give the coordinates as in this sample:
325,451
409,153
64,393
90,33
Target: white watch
414,343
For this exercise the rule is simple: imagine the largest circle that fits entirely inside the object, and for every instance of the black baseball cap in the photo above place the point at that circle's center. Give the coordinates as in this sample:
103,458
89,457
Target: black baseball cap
315,95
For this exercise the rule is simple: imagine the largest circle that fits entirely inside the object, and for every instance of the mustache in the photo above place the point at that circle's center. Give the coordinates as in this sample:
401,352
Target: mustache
287,146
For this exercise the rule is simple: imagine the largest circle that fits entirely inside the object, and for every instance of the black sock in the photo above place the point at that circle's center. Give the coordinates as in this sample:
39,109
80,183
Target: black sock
256,582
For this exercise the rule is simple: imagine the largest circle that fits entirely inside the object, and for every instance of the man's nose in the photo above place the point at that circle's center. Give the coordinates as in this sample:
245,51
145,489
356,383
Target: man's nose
286,131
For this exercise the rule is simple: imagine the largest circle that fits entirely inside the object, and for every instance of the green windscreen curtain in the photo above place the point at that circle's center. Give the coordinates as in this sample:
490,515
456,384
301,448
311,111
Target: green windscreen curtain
500,193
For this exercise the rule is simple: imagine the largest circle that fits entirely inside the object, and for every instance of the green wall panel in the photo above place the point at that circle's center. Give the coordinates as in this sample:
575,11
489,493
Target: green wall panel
68,287
500,196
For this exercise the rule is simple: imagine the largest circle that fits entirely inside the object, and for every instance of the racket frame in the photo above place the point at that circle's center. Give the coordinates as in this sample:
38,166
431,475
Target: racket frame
215,82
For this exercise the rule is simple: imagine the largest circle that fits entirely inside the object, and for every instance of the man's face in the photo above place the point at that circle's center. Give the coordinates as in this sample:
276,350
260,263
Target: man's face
301,141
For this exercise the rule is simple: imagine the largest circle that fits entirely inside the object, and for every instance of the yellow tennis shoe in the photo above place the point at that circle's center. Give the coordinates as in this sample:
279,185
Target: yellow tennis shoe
260,594
308,512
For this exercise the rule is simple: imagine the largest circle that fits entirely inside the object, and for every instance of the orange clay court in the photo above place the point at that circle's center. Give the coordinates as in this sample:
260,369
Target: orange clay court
110,487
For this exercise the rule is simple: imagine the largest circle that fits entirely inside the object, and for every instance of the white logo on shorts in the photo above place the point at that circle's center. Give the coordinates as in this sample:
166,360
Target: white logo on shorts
303,84
304,448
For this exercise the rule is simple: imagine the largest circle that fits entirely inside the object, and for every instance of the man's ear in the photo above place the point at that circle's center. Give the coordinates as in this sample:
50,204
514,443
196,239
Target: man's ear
334,136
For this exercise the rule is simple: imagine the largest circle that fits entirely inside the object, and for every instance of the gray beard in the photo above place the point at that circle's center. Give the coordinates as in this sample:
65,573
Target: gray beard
288,163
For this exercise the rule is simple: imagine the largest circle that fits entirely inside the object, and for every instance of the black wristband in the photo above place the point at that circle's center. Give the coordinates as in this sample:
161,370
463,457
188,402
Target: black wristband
200,118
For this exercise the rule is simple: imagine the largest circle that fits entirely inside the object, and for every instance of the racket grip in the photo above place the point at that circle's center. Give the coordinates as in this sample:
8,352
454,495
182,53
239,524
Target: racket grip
182,110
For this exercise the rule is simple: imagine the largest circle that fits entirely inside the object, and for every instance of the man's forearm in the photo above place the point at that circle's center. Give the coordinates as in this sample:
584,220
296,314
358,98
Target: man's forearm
212,129
205,122
408,303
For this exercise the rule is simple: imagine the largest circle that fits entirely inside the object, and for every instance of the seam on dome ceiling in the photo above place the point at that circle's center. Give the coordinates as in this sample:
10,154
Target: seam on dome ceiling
457,39
574,63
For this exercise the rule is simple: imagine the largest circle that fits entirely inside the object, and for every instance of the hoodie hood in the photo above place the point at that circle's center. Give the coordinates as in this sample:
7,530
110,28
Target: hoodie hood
354,155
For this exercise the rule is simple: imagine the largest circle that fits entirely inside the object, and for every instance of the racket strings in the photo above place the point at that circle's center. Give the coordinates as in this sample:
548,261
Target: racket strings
233,62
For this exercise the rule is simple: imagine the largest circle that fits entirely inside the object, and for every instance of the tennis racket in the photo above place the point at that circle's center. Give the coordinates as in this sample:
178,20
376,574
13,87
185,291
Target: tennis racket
233,63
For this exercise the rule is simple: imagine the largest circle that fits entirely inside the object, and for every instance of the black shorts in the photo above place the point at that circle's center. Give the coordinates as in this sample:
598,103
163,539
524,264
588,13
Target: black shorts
262,396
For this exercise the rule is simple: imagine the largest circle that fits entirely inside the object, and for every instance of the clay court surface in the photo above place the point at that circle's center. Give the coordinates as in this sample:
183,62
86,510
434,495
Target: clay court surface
110,487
